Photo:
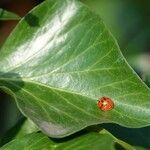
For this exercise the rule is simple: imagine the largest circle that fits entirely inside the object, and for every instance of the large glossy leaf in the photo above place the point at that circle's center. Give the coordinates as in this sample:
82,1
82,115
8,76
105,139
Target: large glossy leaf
6,15
95,141
60,60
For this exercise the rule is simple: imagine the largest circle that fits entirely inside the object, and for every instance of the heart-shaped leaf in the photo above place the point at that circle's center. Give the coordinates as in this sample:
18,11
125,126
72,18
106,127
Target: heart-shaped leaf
38,141
60,60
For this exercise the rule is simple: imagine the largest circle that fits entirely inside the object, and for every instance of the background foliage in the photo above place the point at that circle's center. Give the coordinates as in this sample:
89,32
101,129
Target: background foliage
132,32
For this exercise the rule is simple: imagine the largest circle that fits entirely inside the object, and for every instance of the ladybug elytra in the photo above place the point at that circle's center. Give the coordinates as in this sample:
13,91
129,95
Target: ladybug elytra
105,104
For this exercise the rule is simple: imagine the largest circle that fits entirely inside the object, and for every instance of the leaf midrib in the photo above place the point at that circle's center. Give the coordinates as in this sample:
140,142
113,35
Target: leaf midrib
54,90
74,93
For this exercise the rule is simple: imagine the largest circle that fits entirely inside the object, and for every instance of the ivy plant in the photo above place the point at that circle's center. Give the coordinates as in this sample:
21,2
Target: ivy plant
56,64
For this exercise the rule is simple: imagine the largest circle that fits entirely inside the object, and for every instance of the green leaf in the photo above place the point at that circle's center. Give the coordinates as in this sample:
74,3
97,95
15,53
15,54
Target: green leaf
86,141
27,127
6,15
138,137
60,60
139,148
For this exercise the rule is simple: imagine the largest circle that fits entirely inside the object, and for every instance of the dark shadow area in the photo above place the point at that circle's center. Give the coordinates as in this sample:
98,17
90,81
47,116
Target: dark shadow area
119,147
32,20
9,113
133,136
11,133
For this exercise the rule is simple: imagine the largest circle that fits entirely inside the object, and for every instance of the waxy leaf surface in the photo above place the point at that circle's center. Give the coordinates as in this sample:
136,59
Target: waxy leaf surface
60,60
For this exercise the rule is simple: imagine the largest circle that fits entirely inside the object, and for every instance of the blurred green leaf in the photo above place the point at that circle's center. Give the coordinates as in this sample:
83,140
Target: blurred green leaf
60,60
133,36
88,141
27,127
138,137
6,15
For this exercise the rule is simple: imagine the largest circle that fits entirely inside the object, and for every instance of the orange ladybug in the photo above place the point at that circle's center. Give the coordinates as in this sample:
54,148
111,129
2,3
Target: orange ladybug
105,104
